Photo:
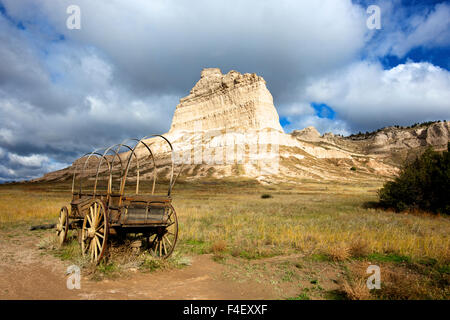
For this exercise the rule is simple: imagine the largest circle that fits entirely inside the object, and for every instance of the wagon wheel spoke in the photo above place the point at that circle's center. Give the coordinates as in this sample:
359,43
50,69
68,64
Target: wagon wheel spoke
93,217
165,237
164,245
89,219
95,227
97,215
99,246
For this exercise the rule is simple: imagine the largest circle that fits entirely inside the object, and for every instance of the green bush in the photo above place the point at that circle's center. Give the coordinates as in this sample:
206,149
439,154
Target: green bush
422,184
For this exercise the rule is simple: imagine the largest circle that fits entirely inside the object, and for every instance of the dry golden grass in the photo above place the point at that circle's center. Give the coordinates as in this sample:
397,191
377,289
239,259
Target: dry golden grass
313,219
398,282
339,252
218,246
25,203
310,218
359,247
357,290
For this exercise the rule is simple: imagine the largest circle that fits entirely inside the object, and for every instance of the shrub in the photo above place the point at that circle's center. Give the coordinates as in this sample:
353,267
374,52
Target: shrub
218,246
353,168
339,252
266,196
422,184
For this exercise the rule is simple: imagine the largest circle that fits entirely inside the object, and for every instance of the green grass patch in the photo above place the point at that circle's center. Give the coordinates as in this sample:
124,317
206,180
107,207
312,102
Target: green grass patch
302,296
445,269
390,257
70,251
194,246
319,257
107,269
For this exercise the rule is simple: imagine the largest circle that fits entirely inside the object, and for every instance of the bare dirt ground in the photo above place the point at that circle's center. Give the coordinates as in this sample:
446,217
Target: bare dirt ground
28,273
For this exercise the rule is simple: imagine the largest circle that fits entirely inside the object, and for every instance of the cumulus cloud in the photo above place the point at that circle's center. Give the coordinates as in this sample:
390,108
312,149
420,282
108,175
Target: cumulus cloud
34,160
409,27
162,45
16,167
366,97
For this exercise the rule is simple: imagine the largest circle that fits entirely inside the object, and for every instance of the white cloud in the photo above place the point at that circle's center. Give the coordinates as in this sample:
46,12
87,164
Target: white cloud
34,160
162,45
366,96
322,125
432,30
403,30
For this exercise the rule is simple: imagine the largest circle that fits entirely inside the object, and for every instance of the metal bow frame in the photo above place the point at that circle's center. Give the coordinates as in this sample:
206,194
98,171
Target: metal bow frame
111,155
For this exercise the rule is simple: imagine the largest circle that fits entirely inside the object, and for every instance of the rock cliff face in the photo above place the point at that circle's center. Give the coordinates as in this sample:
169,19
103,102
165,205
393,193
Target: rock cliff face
232,101
228,127
435,134
394,144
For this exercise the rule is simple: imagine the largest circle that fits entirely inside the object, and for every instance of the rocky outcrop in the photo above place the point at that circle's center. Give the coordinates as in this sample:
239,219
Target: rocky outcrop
393,139
233,101
308,134
228,126
438,134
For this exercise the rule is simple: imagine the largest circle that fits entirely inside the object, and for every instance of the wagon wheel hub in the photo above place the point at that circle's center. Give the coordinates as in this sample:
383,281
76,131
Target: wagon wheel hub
91,232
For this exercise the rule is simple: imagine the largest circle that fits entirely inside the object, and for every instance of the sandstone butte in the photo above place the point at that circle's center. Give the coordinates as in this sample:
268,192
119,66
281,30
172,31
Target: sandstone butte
228,126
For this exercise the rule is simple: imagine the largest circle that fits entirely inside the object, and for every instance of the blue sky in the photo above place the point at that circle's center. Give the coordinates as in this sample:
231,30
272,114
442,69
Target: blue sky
64,92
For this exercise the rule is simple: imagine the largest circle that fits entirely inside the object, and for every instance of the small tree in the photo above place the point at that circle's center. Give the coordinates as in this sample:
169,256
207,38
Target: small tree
422,184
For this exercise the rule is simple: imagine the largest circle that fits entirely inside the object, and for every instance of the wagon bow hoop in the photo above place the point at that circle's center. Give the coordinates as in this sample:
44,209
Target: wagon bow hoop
122,188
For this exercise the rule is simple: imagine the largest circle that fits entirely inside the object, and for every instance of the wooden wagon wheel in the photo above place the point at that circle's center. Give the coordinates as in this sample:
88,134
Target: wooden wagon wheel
94,233
163,241
62,227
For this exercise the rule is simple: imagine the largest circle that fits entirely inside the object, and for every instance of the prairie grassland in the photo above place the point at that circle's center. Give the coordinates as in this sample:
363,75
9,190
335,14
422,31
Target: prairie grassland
312,218
26,203
308,218
300,229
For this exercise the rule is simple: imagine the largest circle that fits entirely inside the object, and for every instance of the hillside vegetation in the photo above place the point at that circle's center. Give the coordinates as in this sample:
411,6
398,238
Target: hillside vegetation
423,184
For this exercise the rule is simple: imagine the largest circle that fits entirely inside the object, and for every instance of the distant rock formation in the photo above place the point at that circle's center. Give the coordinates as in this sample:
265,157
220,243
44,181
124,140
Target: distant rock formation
228,127
232,101
308,134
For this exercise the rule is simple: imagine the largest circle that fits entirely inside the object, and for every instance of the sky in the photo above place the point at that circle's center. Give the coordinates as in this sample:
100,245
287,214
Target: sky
64,92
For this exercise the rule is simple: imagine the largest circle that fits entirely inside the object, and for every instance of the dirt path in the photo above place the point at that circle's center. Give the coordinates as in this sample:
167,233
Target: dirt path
27,273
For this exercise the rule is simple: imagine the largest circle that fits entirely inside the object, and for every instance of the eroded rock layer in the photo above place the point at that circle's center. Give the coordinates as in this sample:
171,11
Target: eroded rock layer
232,101
228,127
